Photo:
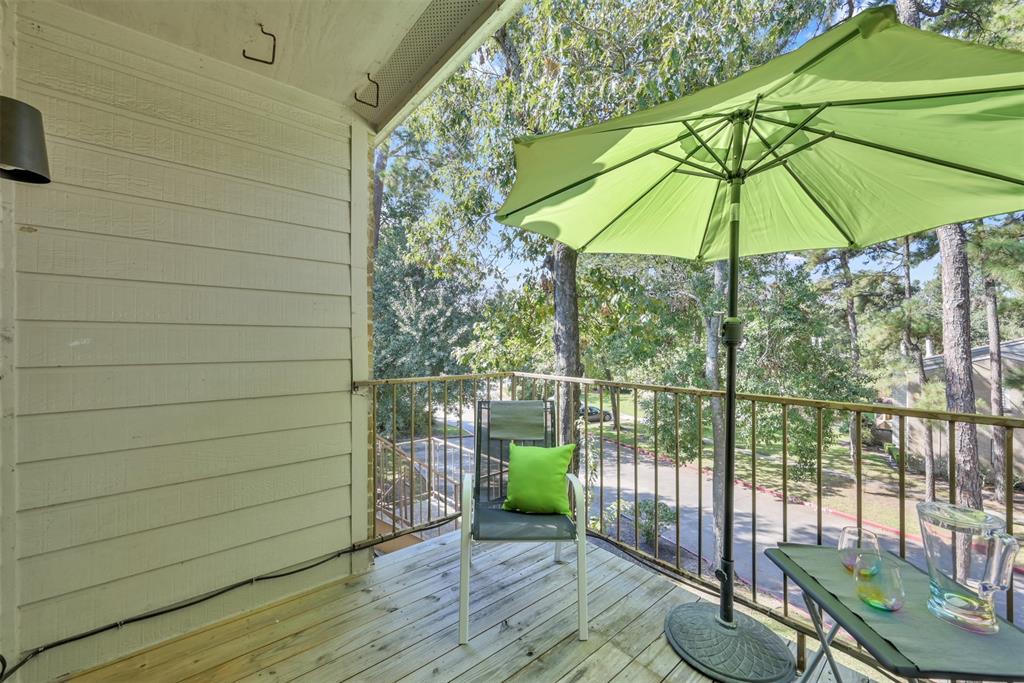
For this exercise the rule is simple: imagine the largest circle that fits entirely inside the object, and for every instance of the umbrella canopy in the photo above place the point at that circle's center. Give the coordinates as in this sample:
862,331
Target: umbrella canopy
871,131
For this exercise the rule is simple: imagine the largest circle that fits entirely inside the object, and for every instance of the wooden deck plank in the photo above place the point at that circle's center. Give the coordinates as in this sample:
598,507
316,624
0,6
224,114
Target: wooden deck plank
348,633
430,557
414,590
444,658
398,621
538,637
626,645
567,653
420,643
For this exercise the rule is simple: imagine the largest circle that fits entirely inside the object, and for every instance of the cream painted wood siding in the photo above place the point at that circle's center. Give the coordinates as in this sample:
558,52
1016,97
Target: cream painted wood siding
188,308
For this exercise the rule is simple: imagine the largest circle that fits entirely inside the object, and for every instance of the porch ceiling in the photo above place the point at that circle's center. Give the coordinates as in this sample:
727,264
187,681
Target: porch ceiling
325,47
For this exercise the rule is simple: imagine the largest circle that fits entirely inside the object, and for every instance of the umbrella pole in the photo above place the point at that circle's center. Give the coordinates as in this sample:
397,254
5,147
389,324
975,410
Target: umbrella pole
732,332
724,645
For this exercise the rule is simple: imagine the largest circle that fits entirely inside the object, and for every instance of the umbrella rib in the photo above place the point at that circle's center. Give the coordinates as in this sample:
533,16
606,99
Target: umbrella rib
782,159
707,226
810,195
894,98
682,161
900,152
611,168
625,210
706,147
785,138
702,117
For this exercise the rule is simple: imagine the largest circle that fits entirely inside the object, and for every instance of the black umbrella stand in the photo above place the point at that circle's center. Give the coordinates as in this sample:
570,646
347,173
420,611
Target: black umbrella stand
725,645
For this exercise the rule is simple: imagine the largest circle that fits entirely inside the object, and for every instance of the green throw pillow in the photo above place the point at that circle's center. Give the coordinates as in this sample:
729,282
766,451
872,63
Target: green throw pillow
536,479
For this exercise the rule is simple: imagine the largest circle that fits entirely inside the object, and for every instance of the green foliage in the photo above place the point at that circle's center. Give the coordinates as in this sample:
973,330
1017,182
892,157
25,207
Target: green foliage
667,516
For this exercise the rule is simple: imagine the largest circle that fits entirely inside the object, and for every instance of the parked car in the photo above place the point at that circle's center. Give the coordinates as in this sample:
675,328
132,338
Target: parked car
595,414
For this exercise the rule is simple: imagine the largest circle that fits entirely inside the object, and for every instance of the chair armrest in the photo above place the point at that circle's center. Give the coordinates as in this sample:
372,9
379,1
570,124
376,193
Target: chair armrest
467,499
577,492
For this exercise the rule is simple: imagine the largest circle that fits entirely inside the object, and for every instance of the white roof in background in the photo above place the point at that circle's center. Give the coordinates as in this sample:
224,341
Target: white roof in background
1011,350
326,47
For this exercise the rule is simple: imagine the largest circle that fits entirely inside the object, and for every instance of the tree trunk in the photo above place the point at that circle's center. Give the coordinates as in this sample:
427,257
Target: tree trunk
711,376
380,162
567,338
614,400
914,349
851,323
995,373
956,351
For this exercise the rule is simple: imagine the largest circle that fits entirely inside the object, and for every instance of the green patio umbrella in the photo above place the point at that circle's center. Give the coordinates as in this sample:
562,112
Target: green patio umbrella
871,131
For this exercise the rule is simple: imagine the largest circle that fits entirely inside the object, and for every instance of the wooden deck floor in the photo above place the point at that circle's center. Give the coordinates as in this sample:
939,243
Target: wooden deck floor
398,622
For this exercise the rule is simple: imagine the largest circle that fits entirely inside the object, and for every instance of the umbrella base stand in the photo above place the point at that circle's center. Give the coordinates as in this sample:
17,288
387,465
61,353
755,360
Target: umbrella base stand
745,652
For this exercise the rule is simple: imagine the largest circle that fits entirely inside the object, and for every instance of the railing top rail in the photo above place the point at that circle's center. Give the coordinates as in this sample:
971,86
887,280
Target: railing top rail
362,384
942,415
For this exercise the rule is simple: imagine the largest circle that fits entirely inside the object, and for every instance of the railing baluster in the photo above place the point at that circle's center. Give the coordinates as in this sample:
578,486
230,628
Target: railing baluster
412,454
821,436
430,450
1008,498
903,485
394,454
858,473
785,499
586,453
678,503
445,478
753,499
952,462
657,536
372,522
462,414
636,468
600,461
700,486
558,409
618,470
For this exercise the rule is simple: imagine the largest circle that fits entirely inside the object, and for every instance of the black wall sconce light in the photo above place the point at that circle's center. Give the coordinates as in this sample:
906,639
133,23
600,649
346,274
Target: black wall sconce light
22,143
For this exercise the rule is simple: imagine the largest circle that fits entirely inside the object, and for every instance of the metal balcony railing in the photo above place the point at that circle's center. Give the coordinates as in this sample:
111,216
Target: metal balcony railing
645,455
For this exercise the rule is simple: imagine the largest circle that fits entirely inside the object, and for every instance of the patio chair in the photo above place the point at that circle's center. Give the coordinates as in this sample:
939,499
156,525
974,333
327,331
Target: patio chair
528,423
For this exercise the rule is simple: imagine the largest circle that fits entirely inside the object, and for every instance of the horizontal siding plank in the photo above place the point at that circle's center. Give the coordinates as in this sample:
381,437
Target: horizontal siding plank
45,530
65,344
56,482
57,252
56,297
59,390
75,612
67,63
62,206
74,569
113,129
101,169
43,437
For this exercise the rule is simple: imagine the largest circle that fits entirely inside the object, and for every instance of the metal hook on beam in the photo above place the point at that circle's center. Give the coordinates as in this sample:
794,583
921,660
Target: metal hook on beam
273,49
376,95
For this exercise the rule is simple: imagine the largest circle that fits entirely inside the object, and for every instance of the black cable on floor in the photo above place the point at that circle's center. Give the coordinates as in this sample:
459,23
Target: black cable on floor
362,545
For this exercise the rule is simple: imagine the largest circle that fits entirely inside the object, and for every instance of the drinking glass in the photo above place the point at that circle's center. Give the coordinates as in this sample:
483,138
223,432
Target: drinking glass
854,542
879,584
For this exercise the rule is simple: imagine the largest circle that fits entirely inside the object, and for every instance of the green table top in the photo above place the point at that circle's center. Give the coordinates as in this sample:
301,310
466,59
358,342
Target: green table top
911,641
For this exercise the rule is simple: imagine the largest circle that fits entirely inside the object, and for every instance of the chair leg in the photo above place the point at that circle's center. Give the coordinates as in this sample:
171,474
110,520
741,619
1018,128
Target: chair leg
581,584
464,587
558,552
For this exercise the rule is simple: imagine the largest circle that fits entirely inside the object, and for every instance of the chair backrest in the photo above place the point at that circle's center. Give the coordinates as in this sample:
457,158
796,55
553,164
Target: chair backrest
528,423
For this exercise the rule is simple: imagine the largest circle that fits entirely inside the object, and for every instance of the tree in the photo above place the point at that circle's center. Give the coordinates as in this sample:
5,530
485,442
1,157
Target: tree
998,250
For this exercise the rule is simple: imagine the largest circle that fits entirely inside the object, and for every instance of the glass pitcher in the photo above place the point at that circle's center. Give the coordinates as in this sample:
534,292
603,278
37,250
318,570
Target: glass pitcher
970,557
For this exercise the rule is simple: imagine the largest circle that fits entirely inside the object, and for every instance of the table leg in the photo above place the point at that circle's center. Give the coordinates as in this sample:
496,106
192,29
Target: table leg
825,640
